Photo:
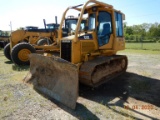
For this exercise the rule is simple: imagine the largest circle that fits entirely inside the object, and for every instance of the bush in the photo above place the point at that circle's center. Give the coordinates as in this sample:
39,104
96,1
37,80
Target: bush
127,37
132,37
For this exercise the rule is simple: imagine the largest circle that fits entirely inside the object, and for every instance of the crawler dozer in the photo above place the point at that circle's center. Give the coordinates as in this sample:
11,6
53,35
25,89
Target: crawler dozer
88,56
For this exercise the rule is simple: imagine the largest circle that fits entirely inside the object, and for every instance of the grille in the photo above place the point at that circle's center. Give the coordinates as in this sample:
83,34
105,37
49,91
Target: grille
66,49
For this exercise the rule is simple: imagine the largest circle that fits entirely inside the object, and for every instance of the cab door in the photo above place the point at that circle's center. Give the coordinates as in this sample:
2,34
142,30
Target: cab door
104,29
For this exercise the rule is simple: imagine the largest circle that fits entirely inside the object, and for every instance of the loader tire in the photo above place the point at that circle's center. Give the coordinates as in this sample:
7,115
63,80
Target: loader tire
44,41
20,53
7,51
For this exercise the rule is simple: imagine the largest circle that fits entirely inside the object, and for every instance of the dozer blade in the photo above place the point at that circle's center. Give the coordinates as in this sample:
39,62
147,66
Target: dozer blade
54,77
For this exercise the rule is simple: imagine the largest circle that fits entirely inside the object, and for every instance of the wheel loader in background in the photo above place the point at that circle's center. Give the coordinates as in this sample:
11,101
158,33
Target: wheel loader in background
87,56
3,39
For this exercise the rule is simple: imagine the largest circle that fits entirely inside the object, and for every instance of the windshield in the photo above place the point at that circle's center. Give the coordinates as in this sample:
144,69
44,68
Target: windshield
0,33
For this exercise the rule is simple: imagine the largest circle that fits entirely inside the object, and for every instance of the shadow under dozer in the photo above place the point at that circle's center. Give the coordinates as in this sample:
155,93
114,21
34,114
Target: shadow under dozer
54,77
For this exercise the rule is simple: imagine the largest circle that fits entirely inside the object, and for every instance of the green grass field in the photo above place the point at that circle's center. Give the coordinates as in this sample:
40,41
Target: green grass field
139,52
143,46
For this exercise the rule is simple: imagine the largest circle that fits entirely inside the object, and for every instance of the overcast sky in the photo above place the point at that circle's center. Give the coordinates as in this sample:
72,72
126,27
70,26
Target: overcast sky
32,12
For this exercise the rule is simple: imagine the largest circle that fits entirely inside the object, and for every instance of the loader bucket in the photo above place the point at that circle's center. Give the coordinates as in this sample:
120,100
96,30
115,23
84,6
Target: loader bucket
54,77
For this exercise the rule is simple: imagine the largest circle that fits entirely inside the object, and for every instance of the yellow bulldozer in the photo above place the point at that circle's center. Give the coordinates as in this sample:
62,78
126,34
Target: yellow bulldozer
87,55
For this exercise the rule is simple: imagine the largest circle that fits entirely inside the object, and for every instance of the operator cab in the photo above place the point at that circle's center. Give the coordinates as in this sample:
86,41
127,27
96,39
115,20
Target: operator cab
103,24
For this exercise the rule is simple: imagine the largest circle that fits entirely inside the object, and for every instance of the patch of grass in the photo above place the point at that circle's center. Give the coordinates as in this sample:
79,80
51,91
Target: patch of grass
137,51
11,71
20,68
143,46
14,94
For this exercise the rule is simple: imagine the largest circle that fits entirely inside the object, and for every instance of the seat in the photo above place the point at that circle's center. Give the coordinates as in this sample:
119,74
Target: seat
106,29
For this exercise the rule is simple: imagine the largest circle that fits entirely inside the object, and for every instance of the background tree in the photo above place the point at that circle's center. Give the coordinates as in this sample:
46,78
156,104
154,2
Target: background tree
145,31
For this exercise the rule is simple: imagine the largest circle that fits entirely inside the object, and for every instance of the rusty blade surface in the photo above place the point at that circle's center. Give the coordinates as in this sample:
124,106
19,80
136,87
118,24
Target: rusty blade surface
54,77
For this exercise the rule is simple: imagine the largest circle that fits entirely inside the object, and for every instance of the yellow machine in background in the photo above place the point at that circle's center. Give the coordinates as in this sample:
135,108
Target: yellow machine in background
34,35
88,55
30,35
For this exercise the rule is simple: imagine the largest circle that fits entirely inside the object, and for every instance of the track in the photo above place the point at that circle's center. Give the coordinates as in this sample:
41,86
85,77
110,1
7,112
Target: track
102,69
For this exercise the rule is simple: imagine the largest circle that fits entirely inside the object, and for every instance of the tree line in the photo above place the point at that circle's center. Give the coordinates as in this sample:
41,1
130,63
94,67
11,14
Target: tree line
146,32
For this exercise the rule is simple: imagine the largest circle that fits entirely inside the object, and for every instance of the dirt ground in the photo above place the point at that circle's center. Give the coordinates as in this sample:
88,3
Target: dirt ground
133,95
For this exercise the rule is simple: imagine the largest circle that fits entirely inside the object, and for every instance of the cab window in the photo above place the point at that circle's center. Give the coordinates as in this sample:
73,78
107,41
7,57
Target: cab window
92,21
104,27
119,24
